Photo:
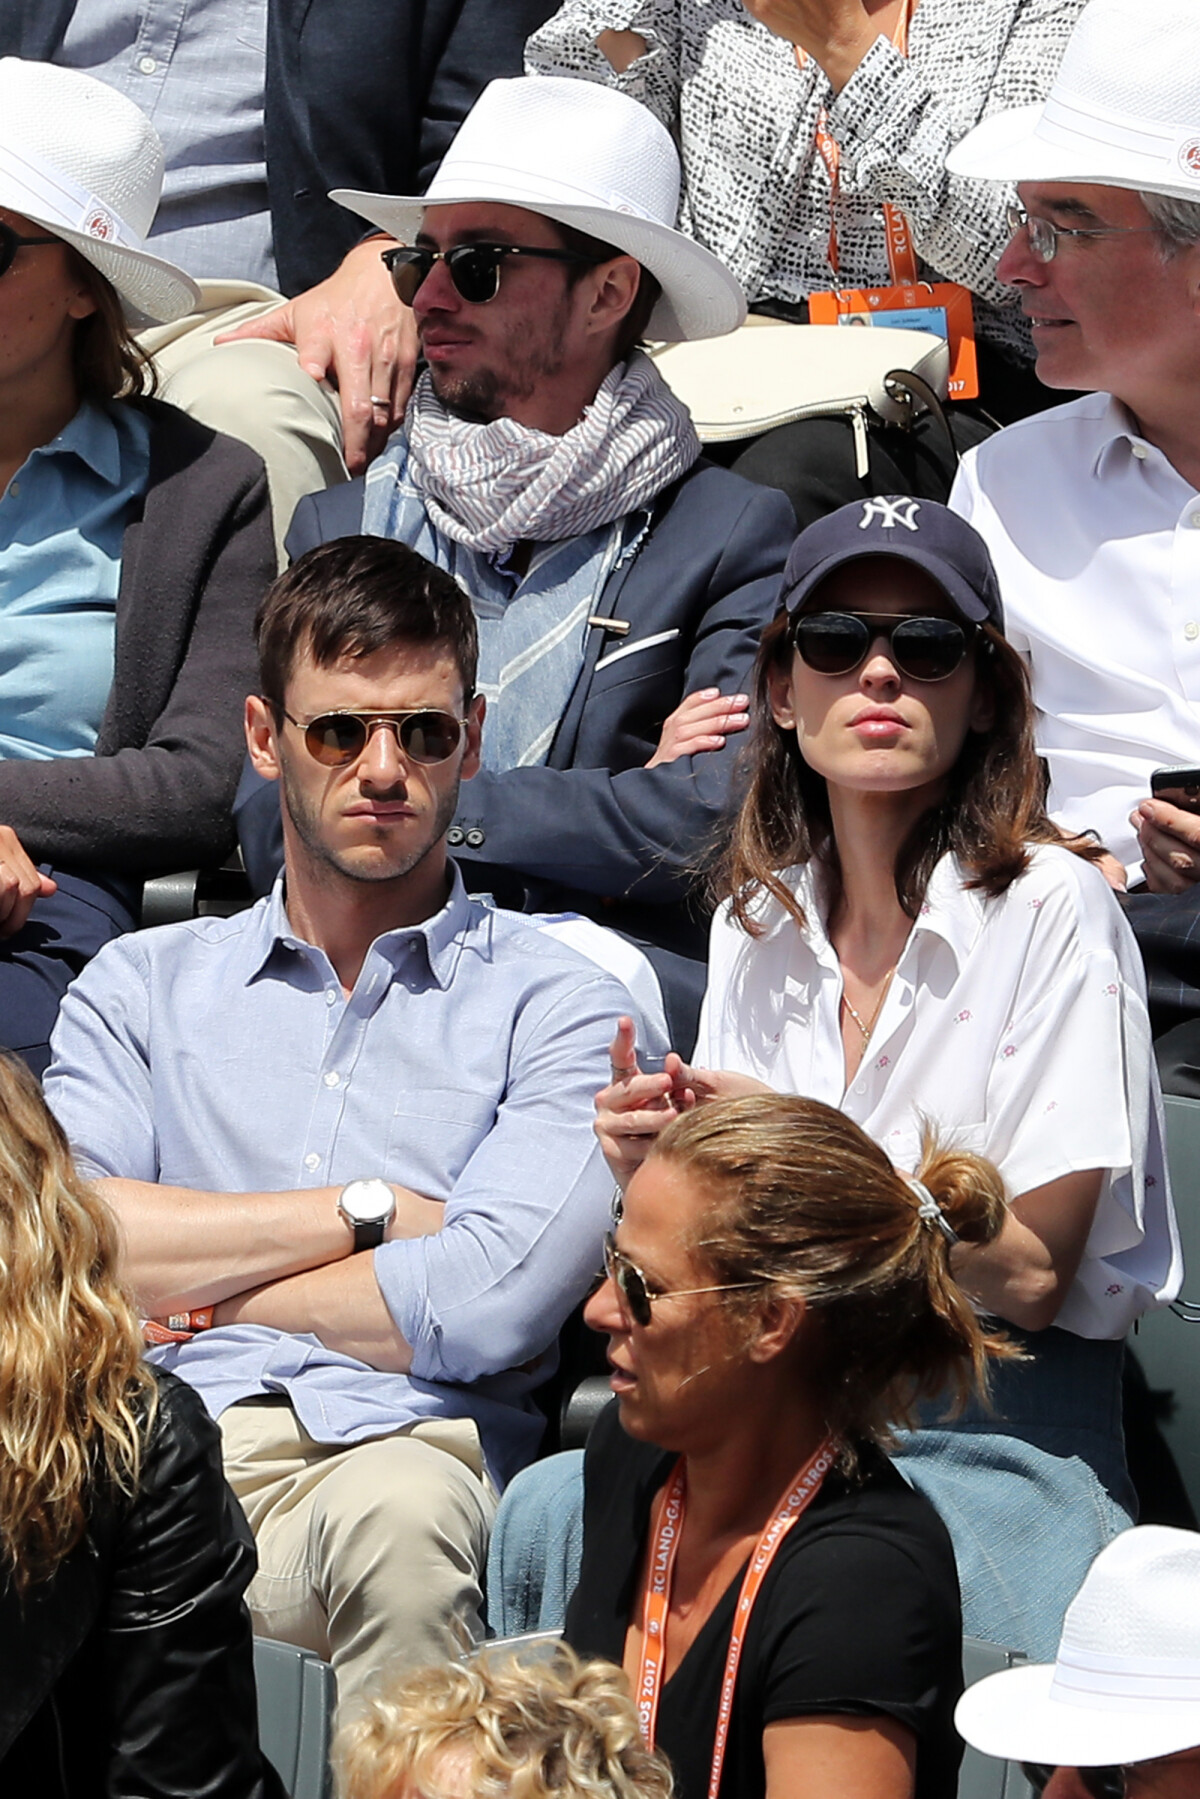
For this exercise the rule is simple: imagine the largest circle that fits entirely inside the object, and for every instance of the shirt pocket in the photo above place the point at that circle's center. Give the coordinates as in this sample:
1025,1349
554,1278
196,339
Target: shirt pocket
434,1133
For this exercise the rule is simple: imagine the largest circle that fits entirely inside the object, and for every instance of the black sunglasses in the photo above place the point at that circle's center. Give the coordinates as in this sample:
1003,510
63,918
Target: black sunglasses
335,739
1101,1783
11,241
634,1290
473,268
925,649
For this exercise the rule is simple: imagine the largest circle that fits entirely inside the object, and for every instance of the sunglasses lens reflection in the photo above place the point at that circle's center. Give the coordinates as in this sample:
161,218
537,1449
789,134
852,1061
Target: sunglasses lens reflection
425,737
835,643
928,649
831,642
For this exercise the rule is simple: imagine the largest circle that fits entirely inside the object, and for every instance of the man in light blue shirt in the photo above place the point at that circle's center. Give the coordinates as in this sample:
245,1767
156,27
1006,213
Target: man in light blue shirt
368,1060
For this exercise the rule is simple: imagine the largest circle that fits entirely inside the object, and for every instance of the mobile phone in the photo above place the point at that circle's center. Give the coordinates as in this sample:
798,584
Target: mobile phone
1178,786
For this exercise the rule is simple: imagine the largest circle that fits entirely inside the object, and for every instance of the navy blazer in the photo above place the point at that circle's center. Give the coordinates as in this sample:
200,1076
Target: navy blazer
359,93
594,830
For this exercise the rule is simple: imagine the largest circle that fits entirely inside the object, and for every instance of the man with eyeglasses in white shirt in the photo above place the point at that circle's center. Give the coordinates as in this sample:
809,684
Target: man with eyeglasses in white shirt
1092,509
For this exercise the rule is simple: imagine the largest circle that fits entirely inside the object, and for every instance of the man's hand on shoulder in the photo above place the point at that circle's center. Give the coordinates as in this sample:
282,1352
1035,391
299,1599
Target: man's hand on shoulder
1170,841
351,329
21,886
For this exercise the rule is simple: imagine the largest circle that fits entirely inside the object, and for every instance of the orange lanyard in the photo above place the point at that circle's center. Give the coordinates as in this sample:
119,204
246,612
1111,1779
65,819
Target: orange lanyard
902,259
666,1531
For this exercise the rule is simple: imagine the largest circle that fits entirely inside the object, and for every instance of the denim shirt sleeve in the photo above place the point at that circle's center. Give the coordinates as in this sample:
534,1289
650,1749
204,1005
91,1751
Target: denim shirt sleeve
523,1228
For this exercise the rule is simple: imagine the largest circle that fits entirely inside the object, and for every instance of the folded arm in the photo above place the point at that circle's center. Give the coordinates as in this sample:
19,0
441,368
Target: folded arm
1026,1273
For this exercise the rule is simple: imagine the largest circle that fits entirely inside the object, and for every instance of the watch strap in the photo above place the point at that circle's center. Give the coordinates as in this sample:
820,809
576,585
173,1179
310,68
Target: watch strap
369,1235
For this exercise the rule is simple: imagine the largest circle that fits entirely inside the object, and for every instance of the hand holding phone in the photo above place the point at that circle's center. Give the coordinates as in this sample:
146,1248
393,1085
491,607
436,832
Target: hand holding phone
1178,787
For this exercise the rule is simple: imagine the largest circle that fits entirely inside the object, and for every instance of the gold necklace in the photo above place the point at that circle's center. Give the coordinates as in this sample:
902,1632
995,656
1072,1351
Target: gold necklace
867,1028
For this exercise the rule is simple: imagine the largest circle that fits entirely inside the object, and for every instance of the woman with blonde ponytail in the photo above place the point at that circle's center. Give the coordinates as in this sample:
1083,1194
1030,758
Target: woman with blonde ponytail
778,1300
906,936
125,1653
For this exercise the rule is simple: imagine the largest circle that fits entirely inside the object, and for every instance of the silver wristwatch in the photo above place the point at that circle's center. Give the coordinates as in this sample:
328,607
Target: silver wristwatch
368,1207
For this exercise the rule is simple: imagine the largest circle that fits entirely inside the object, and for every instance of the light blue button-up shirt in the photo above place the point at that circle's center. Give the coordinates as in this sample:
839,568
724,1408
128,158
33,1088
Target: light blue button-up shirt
222,1054
198,69
62,520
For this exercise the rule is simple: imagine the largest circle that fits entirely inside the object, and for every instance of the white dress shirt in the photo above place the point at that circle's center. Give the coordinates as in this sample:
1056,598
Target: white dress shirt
1017,1026
1096,540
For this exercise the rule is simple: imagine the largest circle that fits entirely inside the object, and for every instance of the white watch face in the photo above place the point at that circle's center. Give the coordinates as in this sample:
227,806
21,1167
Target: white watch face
367,1202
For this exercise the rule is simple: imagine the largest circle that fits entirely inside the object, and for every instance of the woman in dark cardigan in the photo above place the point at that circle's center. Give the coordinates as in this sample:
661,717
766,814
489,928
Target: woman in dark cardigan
134,545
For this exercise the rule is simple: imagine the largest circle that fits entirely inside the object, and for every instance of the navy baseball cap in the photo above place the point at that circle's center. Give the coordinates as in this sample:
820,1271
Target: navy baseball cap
950,551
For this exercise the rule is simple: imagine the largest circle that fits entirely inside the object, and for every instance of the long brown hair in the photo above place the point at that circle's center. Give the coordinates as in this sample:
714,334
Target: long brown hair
109,363
992,811
802,1204
75,1395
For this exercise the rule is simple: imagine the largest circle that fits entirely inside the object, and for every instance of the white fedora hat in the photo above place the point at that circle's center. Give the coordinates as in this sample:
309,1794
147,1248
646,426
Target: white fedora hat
588,157
1126,1685
85,162
1124,110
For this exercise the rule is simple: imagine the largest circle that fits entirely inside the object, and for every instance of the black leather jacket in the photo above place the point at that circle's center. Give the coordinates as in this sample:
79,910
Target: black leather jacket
129,1673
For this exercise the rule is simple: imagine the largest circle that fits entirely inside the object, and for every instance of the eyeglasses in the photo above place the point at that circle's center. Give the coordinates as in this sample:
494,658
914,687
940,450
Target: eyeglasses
634,1291
1044,236
335,739
11,241
473,268
925,649
1101,1783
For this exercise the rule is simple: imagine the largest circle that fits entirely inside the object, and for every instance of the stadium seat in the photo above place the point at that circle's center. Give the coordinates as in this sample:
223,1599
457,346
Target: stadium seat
296,1696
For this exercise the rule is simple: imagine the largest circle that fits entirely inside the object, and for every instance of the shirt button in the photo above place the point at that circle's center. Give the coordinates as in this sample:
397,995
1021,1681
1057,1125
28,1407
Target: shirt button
312,1160
147,65
330,997
1139,451
332,1079
1191,630
14,488
860,1086
1194,521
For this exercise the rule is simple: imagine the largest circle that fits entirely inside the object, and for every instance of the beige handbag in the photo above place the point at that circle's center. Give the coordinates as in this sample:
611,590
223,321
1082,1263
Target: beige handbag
772,373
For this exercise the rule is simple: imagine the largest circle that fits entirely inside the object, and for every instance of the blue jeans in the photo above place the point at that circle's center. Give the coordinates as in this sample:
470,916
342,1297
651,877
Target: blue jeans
60,936
1030,1492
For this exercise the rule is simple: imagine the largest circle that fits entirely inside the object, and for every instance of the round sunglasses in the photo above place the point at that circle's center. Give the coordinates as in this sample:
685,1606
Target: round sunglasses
473,268
1101,1783
925,649
11,241
335,739
634,1290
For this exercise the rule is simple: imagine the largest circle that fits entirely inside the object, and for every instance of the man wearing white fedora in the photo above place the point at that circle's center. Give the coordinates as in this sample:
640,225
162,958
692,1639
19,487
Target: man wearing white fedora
1091,509
1117,1716
545,464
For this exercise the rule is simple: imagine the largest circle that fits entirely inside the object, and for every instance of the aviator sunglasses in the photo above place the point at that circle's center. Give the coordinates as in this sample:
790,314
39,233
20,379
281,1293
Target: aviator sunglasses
473,268
335,739
925,649
1101,1783
634,1290
11,241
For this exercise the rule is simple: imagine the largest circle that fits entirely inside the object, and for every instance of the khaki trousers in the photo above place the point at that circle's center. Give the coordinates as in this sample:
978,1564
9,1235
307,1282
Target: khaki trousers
255,390
366,1555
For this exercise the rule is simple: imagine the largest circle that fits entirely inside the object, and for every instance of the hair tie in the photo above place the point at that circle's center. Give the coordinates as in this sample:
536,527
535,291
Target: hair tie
929,1209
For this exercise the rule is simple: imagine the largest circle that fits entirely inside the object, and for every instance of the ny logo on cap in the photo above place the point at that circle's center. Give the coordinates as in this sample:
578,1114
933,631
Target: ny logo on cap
890,513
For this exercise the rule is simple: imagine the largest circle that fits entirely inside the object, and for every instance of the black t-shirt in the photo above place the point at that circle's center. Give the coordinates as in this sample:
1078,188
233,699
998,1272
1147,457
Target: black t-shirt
859,1614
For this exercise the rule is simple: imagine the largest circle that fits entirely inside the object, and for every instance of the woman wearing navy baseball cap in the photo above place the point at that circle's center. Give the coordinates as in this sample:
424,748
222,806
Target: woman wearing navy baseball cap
906,936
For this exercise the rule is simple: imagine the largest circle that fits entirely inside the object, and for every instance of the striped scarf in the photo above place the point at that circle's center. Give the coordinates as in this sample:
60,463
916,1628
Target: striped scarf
495,485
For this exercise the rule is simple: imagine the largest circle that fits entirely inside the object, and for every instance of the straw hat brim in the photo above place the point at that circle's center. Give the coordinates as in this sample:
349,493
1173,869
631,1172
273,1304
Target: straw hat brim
153,290
700,298
1013,1716
1007,147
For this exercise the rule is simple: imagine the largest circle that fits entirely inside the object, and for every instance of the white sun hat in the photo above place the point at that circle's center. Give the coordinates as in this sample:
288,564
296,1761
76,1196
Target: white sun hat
588,157
1126,1685
86,163
1124,110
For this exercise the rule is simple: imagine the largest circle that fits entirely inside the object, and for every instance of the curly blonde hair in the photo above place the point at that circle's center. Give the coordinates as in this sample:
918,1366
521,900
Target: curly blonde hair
524,1729
801,1202
75,1396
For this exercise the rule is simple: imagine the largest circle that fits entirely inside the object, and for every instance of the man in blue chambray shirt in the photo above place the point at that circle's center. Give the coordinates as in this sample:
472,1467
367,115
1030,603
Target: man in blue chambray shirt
367,1060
